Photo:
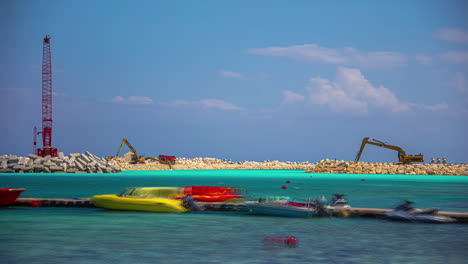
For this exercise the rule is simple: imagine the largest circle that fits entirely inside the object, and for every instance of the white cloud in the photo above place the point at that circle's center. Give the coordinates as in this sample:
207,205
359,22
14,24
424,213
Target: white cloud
140,100
290,97
455,56
345,56
206,103
459,82
132,100
323,92
231,74
351,92
118,99
219,104
423,59
452,34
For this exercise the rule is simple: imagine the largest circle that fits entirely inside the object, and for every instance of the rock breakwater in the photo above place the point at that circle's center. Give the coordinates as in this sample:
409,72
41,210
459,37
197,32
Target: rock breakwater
323,166
89,163
349,167
73,163
209,164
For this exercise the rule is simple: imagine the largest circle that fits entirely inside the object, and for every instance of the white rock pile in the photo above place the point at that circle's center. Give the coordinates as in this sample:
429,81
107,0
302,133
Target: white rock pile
350,167
124,163
73,163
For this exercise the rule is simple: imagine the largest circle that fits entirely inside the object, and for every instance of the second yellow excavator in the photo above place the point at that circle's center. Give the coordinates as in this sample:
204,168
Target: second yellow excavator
402,157
136,158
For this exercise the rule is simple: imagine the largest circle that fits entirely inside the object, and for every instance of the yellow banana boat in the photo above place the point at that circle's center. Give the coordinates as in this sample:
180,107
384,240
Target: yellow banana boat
154,199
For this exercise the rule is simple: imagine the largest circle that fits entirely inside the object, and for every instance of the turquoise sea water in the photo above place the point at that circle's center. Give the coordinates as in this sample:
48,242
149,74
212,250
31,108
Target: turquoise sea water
90,235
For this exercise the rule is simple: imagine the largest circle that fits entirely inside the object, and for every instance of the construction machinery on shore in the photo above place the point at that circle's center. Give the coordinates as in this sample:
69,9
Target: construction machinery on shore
169,160
47,95
402,157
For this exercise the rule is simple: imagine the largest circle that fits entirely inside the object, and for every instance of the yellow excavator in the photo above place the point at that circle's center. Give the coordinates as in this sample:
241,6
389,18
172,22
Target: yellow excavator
402,157
136,158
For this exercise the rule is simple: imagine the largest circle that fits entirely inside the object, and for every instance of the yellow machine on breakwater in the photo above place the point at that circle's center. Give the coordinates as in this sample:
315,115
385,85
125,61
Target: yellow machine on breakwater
140,159
402,157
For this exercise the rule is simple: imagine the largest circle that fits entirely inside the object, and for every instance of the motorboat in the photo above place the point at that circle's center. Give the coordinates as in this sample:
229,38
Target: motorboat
339,201
168,199
152,199
281,207
406,212
8,195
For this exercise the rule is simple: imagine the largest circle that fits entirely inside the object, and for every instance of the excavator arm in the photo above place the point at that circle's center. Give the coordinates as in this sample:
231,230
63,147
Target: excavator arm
402,157
160,161
139,159
125,141
358,156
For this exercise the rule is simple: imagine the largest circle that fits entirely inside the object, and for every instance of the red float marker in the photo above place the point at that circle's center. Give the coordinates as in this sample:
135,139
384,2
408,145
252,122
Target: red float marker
35,204
283,187
290,241
288,181
363,179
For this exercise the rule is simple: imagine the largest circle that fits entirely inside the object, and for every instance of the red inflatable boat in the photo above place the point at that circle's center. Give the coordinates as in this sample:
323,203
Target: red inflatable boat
215,193
9,195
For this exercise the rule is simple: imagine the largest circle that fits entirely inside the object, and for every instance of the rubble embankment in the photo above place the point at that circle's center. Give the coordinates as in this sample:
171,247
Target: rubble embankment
323,166
73,163
89,163
124,163
349,167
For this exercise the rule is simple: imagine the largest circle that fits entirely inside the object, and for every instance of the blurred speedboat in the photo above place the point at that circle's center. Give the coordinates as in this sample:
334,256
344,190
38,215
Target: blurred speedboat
406,212
339,201
276,206
8,195
153,199
168,199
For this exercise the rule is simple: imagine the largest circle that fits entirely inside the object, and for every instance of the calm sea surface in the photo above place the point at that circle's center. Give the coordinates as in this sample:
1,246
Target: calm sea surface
89,235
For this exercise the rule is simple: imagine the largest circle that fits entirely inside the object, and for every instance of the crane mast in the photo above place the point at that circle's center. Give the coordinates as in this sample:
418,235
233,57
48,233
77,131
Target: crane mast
46,132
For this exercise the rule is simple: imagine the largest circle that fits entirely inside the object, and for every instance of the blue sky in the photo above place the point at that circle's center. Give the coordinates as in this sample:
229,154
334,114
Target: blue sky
253,80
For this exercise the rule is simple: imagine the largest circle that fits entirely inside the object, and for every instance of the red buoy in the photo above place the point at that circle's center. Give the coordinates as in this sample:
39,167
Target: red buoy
290,241
283,187
288,181
35,204
363,179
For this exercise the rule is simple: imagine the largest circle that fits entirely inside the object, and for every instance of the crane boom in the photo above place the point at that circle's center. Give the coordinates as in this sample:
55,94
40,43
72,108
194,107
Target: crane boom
46,132
402,157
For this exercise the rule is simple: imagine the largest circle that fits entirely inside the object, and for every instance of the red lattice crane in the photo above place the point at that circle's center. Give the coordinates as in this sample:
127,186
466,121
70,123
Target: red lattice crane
46,132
